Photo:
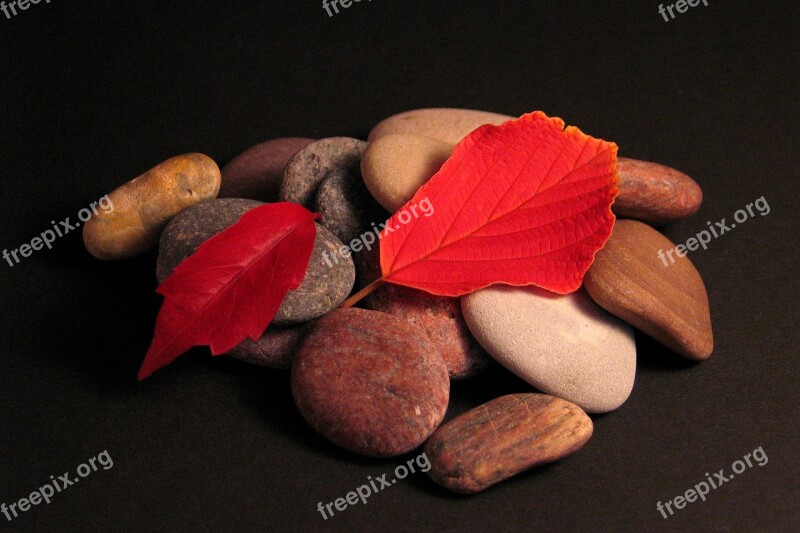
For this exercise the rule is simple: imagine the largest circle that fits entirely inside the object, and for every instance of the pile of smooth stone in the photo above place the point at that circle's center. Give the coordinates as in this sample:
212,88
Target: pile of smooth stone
375,379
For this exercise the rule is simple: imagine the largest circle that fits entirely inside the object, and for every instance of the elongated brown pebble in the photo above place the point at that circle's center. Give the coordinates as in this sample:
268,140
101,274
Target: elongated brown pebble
655,193
144,206
640,277
504,437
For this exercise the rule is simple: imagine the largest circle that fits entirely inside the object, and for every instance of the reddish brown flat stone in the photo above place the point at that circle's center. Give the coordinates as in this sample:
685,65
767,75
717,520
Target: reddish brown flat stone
370,382
666,300
655,193
504,437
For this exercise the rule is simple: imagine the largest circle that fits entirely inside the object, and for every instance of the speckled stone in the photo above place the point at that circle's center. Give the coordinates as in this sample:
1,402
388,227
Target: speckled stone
666,300
257,172
195,225
346,206
308,168
504,437
655,193
324,286
395,166
564,345
438,316
446,124
370,382
275,349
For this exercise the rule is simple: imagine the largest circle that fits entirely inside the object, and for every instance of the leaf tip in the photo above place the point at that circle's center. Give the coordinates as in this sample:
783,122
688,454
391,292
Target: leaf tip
144,373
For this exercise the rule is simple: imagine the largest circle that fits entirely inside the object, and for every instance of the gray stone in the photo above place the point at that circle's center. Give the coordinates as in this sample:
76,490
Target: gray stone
308,168
346,205
257,172
324,287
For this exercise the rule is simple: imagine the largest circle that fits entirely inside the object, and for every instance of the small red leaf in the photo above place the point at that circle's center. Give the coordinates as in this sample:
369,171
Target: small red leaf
524,203
231,288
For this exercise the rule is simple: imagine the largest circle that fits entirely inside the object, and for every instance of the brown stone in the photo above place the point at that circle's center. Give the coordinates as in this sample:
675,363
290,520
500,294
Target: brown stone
504,437
438,316
310,166
257,172
666,300
370,382
446,124
134,214
655,193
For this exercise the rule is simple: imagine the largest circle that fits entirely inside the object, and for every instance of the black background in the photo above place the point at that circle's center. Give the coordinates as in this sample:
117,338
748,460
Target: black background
94,93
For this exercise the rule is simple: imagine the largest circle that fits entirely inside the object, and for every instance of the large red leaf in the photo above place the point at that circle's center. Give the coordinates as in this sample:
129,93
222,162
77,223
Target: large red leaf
524,203
231,288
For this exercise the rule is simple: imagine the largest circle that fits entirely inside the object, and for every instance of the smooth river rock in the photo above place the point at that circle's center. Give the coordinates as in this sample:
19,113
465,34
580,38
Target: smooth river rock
655,193
446,124
310,166
192,227
438,316
395,166
133,215
346,206
566,346
666,300
370,382
257,172
325,286
504,437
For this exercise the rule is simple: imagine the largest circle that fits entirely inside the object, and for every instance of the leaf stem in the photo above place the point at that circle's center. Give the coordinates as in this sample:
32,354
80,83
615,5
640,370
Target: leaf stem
363,293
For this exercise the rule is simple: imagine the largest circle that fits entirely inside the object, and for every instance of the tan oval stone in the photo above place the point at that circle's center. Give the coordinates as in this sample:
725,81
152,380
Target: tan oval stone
655,193
396,165
666,300
143,206
504,437
446,124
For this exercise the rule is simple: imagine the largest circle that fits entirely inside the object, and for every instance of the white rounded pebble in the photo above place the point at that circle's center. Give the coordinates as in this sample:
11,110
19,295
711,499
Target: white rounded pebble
566,346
